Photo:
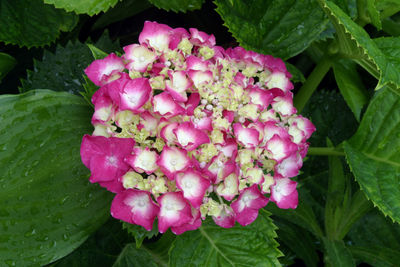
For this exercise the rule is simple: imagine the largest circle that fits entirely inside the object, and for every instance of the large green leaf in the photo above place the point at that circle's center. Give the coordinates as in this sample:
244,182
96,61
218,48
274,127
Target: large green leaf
7,63
134,257
376,240
373,153
211,245
90,7
32,23
48,208
63,70
350,86
355,43
178,5
282,28
102,248
337,254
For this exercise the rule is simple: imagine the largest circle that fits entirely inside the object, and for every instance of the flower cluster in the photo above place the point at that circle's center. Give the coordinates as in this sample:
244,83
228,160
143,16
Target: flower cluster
185,129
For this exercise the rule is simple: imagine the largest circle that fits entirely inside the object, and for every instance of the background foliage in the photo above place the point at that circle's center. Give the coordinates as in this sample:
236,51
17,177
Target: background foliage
345,58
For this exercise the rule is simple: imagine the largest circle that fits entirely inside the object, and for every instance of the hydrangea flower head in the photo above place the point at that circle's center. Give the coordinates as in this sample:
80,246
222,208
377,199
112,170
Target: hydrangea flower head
185,129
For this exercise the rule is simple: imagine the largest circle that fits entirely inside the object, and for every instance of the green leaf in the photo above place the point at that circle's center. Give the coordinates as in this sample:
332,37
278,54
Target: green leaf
90,7
139,233
7,63
134,257
378,235
376,256
32,23
178,5
211,245
337,254
48,206
337,196
97,53
102,248
390,46
374,14
63,70
297,74
350,86
123,10
373,153
282,28
355,43
298,240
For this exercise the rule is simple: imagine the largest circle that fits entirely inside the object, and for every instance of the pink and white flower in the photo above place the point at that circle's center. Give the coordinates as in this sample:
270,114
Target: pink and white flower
284,193
175,211
173,160
247,205
135,206
193,186
187,122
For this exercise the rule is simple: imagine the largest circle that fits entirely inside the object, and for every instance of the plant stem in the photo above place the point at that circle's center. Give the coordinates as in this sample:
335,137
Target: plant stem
325,151
311,83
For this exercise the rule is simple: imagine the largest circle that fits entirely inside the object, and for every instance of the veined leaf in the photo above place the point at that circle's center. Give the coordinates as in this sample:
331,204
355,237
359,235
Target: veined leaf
376,240
337,253
211,245
48,206
390,46
356,44
373,153
90,7
178,5
134,257
282,28
7,63
374,14
32,23
350,86
139,233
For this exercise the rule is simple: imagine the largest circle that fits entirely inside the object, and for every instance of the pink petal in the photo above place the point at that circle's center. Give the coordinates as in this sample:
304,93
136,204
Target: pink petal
229,188
284,193
139,57
175,211
290,166
135,206
303,124
149,122
246,136
103,109
192,103
173,160
156,35
260,97
99,69
229,115
178,85
271,128
204,123
143,160
189,137
165,105
135,94
105,156
201,38
200,77
226,219
176,37
195,63
167,132
284,104
280,148
279,80
247,205
193,185
194,224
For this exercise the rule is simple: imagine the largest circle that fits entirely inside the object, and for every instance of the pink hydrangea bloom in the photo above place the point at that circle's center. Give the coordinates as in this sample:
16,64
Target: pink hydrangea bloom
185,130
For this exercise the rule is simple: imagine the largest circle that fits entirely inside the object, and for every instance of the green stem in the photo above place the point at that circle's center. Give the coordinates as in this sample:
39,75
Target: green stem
311,83
324,151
